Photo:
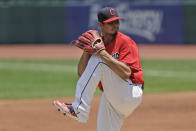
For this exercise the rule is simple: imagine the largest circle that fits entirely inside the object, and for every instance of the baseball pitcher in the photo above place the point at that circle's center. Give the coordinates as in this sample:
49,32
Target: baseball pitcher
110,60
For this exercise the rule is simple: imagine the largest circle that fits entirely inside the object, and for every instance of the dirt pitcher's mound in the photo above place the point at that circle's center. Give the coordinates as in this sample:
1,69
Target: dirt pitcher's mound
158,112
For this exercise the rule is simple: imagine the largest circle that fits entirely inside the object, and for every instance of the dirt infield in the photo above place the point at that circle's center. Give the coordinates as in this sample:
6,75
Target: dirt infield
158,112
71,52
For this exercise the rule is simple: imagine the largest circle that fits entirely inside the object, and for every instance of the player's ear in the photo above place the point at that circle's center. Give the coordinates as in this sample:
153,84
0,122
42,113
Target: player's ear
100,24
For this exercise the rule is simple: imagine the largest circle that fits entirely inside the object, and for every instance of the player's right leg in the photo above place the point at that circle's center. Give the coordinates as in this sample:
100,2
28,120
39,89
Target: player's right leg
123,95
120,98
108,118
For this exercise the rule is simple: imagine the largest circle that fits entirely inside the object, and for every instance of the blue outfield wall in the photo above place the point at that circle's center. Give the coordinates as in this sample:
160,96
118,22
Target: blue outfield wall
161,23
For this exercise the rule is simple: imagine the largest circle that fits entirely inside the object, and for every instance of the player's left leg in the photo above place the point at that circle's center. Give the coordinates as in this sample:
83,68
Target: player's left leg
85,89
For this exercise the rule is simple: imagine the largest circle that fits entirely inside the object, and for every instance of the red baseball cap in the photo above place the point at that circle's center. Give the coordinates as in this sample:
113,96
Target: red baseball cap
108,14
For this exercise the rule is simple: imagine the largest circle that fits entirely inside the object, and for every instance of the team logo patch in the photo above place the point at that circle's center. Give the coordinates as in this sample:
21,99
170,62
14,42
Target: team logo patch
112,11
116,56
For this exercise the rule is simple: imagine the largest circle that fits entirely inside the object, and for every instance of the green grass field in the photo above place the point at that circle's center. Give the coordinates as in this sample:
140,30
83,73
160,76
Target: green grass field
21,79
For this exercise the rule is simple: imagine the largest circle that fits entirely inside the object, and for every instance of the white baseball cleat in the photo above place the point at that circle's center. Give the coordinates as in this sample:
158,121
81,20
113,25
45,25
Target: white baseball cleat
67,109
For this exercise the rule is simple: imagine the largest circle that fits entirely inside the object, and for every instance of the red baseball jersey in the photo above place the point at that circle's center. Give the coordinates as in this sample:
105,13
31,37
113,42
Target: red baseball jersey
124,49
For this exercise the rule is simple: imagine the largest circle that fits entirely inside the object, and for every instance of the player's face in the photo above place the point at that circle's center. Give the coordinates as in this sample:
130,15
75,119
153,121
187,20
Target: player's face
110,28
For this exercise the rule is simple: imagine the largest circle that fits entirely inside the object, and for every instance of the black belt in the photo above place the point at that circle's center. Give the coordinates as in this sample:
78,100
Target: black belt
142,87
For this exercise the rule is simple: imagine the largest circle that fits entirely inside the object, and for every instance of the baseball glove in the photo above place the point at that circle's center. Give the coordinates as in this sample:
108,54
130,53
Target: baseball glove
90,41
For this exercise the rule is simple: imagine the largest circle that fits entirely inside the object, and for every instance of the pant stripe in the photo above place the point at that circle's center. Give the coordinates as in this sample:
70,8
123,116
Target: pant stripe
88,82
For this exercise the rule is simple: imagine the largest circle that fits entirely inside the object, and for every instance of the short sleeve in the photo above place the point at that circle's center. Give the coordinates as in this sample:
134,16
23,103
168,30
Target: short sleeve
128,54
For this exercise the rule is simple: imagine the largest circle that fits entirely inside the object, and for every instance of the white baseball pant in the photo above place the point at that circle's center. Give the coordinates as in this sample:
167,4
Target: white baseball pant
118,101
